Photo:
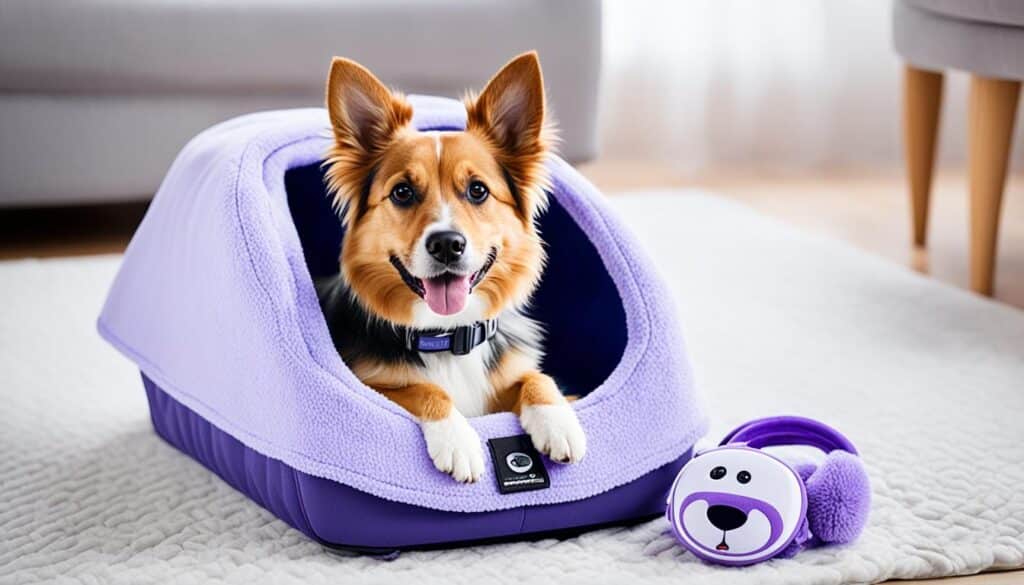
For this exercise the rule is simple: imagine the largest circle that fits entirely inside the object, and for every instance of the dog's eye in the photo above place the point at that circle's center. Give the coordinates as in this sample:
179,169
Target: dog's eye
743,477
402,195
718,472
477,192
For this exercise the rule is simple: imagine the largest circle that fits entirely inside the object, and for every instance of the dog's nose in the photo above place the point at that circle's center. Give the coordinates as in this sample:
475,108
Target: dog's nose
447,246
726,517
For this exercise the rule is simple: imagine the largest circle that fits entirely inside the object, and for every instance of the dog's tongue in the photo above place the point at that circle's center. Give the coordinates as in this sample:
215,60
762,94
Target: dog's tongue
446,295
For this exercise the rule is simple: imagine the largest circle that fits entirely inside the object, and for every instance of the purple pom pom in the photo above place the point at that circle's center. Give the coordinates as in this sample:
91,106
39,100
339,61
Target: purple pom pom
838,498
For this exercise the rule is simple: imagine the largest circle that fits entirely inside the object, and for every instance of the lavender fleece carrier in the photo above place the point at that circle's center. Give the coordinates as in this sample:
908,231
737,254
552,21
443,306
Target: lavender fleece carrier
215,303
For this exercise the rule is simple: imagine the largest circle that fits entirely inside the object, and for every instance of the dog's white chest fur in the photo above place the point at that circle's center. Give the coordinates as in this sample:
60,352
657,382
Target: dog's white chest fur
464,377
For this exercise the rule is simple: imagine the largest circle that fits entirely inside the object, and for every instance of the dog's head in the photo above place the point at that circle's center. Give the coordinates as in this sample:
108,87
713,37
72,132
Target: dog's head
439,225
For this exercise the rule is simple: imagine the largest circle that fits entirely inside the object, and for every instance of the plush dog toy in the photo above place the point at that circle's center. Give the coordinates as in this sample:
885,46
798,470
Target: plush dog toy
738,505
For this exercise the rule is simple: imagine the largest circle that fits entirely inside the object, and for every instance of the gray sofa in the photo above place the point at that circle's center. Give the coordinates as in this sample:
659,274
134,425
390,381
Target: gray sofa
97,96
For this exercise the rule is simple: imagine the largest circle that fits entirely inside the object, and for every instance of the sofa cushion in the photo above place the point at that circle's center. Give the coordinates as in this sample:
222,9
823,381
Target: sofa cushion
930,40
1005,12
94,83
281,45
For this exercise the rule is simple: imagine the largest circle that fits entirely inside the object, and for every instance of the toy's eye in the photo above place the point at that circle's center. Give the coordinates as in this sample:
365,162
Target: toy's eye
477,192
402,195
743,476
718,472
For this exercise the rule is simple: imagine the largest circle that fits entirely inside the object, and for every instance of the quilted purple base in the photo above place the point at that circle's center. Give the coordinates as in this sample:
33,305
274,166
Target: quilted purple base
343,517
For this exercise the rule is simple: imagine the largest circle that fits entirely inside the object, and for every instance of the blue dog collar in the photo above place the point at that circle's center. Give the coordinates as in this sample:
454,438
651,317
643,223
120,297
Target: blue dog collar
459,341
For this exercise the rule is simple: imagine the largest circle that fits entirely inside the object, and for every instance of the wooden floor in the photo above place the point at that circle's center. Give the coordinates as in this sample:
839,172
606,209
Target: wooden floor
67,231
868,210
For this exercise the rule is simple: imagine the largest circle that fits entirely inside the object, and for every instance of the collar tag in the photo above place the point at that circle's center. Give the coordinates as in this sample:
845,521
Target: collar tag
517,465
431,343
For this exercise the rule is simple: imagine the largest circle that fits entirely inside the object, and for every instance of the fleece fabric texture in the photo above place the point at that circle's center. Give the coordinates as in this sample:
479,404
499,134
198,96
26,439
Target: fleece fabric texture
214,302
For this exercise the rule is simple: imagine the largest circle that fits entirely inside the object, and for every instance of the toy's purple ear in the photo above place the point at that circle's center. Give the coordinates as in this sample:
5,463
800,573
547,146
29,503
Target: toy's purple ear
838,498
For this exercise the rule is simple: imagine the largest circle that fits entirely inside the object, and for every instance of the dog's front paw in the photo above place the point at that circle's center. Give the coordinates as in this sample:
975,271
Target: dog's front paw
454,447
555,431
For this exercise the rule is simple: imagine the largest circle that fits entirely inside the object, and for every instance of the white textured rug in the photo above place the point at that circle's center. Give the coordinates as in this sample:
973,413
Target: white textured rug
927,380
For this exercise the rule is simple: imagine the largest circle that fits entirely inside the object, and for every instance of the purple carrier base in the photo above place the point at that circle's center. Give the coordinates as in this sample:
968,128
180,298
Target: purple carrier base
341,517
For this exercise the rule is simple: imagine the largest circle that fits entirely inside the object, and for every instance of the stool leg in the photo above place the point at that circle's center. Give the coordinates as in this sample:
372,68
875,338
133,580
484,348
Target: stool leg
922,100
993,107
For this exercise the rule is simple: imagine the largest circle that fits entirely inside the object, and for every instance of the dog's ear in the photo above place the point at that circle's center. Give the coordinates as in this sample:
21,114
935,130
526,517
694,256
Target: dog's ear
509,112
365,115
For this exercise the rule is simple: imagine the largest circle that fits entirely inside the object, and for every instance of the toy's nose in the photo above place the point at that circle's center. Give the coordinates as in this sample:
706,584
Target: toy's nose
726,517
447,246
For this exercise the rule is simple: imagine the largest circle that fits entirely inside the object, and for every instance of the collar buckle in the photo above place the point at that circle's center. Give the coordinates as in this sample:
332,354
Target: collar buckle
465,338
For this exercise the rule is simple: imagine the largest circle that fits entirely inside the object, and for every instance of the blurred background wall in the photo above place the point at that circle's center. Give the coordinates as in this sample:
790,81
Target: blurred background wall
777,85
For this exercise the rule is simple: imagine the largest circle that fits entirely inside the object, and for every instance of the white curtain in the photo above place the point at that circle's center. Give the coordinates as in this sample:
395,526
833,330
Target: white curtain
760,83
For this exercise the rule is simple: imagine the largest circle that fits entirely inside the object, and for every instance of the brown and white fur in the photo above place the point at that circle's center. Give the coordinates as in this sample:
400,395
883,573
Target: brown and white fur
399,192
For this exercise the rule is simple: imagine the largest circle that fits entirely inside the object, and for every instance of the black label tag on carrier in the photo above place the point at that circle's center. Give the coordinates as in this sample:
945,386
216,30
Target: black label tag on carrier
517,465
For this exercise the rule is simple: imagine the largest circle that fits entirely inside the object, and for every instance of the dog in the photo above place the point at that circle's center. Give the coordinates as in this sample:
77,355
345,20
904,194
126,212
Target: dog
440,256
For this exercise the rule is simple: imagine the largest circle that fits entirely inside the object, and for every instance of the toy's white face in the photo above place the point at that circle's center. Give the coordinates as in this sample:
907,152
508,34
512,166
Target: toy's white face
736,505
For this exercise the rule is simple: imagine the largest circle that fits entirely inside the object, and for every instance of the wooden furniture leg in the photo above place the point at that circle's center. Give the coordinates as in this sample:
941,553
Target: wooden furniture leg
993,107
922,100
